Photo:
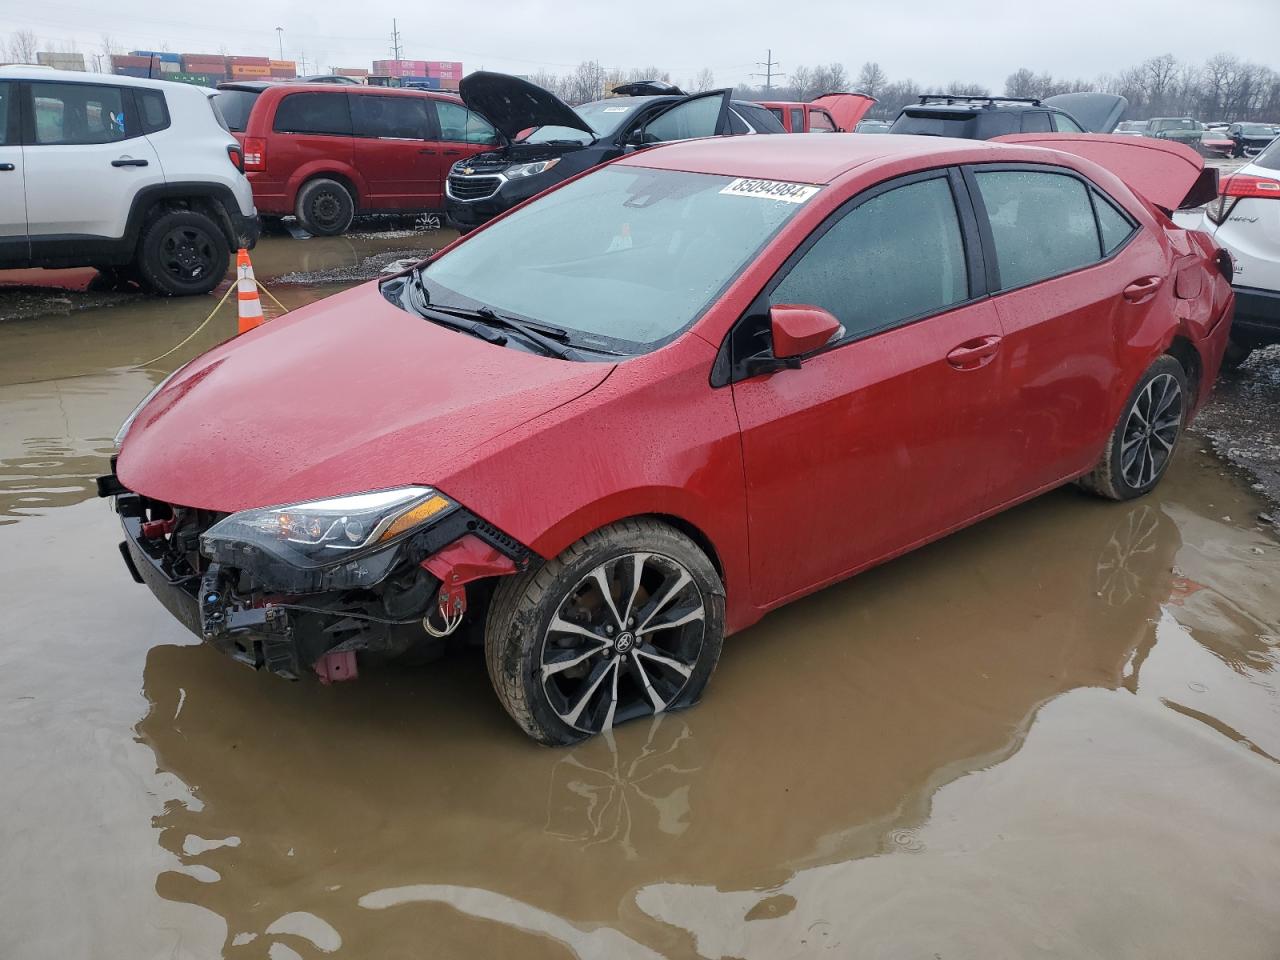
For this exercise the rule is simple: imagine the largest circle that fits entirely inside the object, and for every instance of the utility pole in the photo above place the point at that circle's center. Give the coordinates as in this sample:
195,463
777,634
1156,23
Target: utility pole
395,40
280,37
769,72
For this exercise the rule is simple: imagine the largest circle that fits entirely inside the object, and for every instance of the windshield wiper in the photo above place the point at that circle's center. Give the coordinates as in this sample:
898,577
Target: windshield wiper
423,307
543,337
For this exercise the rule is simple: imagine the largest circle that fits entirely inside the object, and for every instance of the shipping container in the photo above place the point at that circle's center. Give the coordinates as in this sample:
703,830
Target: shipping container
422,83
454,66
120,60
400,68
157,55
168,66
61,61
200,63
199,79
249,61
450,85
356,73
141,72
249,71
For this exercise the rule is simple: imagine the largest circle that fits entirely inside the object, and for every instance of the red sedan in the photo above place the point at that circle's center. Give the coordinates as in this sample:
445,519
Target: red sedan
640,411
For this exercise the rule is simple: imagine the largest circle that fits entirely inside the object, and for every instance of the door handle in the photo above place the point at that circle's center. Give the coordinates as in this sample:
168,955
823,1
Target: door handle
974,353
128,162
431,153
453,153
6,167
1141,289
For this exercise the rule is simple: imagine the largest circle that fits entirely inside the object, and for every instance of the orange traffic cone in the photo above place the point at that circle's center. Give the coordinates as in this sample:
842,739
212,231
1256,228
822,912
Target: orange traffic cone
247,290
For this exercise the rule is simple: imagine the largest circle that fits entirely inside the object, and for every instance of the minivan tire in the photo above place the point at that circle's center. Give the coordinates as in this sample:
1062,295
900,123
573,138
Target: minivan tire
182,253
1114,477
325,208
519,626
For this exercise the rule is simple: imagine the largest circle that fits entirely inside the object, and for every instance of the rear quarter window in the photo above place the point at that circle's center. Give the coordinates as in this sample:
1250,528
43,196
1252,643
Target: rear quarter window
234,106
325,114
154,110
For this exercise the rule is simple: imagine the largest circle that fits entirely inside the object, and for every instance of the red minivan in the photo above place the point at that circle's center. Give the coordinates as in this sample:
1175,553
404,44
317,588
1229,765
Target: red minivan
326,153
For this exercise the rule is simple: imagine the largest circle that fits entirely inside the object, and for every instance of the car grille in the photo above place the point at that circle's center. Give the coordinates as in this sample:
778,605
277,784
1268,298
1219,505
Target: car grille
473,188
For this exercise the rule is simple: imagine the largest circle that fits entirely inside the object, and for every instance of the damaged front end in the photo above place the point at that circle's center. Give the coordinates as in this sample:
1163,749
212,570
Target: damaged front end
299,589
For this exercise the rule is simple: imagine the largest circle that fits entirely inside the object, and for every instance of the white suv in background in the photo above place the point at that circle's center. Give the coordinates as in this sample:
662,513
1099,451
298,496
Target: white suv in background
138,178
1245,219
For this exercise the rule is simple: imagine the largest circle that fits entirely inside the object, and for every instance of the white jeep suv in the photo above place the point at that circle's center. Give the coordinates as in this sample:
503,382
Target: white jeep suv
138,178
1245,219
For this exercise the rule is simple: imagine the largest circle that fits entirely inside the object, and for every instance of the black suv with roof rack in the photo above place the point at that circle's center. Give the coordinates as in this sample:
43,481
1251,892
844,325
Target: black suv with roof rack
984,118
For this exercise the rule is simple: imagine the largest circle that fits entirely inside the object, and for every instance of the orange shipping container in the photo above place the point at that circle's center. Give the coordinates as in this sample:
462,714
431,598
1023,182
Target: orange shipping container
242,71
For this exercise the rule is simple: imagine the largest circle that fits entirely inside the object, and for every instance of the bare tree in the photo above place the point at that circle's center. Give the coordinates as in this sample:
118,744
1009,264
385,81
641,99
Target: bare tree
832,78
22,46
1020,83
871,79
586,83
704,81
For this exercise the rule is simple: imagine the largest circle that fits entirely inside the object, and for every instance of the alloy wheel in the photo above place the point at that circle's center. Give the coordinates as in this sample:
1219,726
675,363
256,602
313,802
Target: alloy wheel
1151,431
623,643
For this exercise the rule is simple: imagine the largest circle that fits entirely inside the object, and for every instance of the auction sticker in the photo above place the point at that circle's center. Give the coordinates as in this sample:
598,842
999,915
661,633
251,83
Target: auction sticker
770,190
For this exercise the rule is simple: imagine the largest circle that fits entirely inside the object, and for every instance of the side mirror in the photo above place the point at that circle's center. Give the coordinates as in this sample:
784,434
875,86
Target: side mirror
799,329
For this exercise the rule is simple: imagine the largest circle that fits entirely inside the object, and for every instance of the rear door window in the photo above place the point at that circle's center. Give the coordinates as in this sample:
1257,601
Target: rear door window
797,119
154,110
1035,121
79,113
460,125
1042,224
392,118
314,113
893,258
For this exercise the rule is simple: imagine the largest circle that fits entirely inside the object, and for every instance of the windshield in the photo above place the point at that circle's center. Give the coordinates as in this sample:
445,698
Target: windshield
602,116
235,106
1256,130
625,258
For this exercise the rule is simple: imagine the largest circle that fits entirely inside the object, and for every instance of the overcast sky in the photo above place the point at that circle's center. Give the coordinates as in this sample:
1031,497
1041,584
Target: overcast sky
928,40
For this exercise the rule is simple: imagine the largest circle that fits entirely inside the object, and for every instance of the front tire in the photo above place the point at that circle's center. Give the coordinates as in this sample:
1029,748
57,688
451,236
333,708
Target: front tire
1143,442
325,208
626,623
182,253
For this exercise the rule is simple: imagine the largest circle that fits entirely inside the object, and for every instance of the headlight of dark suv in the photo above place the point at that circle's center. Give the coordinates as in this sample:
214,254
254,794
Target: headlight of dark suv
521,170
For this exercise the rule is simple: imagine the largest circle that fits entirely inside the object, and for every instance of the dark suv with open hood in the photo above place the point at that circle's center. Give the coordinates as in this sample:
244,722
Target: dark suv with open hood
547,141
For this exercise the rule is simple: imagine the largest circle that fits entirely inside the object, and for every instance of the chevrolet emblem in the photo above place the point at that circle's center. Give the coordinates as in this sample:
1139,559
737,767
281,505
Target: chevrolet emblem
468,170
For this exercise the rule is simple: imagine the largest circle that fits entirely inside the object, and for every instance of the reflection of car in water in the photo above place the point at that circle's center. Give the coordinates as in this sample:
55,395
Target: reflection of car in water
1011,626
725,343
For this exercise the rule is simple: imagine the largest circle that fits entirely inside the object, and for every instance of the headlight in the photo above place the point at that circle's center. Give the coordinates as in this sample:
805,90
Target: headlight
128,421
530,169
320,533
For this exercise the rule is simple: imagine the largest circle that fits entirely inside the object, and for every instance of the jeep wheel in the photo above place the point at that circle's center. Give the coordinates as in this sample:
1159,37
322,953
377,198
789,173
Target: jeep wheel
626,623
325,207
183,253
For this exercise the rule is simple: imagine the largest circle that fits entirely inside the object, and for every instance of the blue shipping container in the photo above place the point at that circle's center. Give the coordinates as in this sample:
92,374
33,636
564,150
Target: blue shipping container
157,55
420,83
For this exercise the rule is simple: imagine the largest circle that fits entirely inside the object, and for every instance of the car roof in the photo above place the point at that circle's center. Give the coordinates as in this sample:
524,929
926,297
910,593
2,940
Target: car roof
820,157
29,71
262,86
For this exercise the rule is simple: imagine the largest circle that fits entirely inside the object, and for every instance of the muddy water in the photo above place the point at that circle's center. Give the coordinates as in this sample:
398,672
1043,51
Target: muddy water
1054,734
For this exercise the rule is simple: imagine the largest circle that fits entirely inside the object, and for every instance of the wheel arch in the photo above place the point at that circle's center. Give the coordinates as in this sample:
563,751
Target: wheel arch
1185,352
349,178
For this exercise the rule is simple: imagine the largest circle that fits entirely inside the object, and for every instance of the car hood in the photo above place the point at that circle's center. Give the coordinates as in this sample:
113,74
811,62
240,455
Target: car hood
1171,175
348,394
512,104
1096,112
846,108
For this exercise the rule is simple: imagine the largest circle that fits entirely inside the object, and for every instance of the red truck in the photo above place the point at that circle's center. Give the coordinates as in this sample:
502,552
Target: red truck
829,113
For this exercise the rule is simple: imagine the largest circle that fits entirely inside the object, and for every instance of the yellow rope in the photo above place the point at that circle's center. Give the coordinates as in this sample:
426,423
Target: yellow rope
205,322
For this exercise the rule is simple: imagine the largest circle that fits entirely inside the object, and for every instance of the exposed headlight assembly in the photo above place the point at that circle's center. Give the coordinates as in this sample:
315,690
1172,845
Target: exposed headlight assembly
530,169
337,542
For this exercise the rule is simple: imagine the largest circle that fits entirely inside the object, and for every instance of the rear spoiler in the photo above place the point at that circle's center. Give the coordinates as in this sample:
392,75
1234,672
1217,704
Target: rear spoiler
1169,174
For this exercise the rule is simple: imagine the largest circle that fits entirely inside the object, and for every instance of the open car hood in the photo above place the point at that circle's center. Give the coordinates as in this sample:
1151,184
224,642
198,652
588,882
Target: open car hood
345,395
846,108
512,104
1096,112
1169,174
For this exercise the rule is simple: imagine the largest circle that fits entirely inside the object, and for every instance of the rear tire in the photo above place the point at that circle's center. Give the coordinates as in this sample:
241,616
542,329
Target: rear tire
568,662
1144,440
182,253
325,208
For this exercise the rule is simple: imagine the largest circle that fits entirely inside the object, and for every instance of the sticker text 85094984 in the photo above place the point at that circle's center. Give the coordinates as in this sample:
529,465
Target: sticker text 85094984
770,190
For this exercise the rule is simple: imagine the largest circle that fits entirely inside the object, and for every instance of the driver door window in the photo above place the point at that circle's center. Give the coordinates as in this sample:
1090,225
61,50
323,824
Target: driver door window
701,116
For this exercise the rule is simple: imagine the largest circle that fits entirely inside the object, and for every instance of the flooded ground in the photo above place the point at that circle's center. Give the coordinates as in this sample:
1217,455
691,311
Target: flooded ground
1052,735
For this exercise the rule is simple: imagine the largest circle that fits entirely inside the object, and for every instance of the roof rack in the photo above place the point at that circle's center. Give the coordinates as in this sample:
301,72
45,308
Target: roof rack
961,98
